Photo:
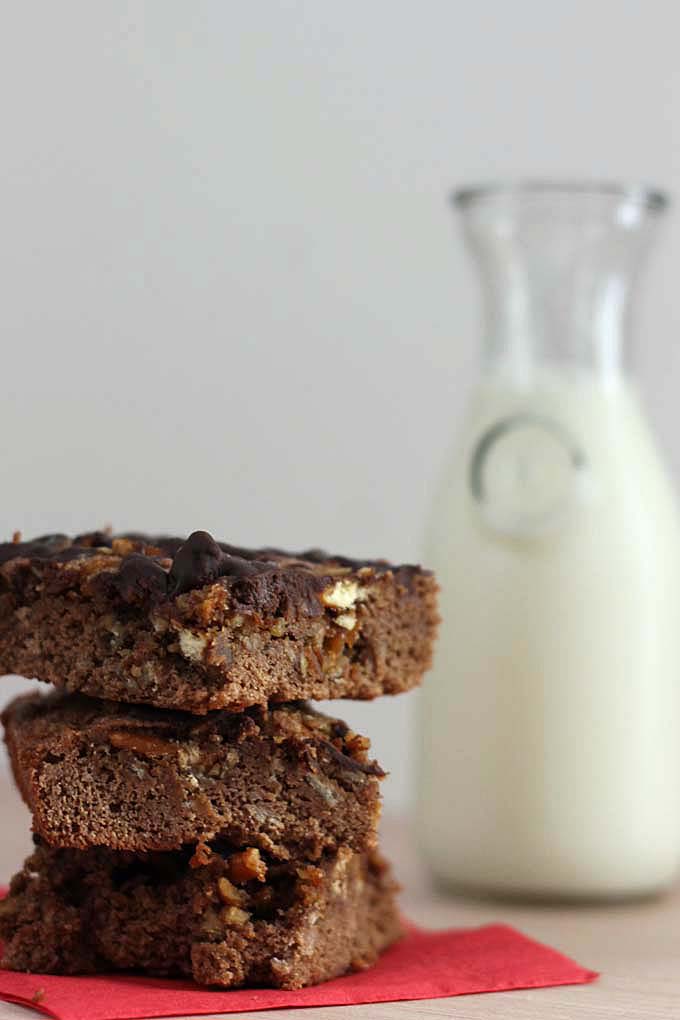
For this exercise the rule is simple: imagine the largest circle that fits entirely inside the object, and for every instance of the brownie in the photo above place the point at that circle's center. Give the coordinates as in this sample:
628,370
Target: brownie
222,917
197,625
288,780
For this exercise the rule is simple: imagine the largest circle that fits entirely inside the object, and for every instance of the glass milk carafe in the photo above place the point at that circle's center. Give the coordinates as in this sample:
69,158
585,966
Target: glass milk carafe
550,728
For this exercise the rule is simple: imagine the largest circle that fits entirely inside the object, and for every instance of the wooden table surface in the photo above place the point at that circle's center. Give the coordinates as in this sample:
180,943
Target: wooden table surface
635,946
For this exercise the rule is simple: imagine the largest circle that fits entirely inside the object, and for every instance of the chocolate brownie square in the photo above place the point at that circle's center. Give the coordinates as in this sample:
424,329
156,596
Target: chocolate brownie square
198,625
287,779
222,916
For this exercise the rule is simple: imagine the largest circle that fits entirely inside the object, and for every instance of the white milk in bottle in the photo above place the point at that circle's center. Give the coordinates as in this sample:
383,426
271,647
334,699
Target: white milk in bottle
550,737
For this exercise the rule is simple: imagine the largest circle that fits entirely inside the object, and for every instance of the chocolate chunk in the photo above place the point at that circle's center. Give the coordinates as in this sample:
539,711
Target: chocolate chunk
201,560
196,563
139,578
278,592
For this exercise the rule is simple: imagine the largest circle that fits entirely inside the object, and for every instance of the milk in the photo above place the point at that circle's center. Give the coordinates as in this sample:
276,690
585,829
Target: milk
551,722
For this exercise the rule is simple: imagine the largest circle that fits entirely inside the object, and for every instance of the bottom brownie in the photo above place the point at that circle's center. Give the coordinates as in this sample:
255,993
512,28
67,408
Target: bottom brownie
222,917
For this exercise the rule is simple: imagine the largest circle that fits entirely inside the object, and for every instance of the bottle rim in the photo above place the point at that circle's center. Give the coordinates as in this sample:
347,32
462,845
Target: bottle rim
651,198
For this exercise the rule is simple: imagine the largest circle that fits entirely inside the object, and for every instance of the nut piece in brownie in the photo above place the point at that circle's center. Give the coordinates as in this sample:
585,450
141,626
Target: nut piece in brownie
222,917
287,779
199,625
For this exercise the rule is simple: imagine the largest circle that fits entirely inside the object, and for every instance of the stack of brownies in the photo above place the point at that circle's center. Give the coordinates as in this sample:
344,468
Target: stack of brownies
192,815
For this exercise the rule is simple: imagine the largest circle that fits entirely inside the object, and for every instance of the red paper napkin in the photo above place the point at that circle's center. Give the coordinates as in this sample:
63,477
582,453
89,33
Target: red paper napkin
423,965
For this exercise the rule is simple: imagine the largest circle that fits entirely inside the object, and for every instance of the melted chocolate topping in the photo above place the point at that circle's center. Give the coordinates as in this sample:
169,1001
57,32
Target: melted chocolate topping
139,577
201,560
272,580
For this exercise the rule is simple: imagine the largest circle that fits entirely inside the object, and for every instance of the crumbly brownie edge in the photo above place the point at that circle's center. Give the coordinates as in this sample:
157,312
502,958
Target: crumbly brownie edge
71,911
289,780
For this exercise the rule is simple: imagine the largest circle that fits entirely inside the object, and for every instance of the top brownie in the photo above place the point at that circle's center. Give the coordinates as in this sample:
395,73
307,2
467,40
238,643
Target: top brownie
197,624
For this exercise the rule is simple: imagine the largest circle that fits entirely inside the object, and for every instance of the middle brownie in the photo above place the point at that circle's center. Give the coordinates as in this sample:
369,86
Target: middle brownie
289,780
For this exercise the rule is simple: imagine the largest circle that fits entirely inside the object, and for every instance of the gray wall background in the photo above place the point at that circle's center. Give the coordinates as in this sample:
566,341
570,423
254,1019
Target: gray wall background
231,292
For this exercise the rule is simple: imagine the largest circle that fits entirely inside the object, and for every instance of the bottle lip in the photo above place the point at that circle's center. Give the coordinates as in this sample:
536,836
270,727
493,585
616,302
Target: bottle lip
653,199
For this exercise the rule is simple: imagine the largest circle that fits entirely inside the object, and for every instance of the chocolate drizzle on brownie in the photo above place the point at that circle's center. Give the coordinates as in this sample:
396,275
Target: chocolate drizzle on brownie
46,547
140,577
153,568
201,560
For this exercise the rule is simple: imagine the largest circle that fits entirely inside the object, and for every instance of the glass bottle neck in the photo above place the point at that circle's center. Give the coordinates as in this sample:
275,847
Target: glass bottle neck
557,269
541,317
